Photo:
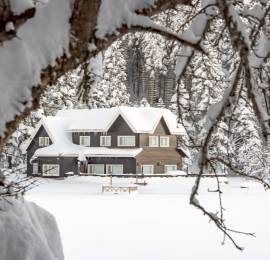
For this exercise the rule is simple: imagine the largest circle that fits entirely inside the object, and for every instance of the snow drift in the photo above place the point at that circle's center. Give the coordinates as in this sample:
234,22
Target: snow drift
28,232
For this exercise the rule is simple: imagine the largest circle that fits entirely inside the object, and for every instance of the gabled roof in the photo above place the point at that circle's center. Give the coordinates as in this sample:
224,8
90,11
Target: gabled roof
55,128
60,128
139,119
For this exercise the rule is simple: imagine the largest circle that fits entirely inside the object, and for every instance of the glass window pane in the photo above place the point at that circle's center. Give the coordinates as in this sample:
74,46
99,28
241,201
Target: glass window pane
153,141
46,141
170,168
105,141
147,169
126,140
164,141
50,169
96,168
85,140
40,141
115,169
35,168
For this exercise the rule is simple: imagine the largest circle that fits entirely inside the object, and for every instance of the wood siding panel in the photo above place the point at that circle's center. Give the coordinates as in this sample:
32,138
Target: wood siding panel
159,157
161,130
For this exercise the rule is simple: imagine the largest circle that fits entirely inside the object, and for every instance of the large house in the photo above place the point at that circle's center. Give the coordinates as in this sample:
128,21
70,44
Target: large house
119,140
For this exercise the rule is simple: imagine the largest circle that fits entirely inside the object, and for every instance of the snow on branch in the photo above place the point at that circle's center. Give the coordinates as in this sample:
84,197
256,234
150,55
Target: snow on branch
213,116
22,59
13,15
196,31
243,46
60,36
124,13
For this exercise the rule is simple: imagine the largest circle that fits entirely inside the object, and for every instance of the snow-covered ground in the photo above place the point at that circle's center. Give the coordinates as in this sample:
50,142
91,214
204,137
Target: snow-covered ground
157,223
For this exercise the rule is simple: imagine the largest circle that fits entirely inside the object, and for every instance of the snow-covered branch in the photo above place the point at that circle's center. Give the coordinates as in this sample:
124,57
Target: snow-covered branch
45,49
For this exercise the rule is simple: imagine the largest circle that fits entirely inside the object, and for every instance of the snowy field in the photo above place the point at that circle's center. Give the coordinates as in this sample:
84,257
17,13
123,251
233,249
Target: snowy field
157,223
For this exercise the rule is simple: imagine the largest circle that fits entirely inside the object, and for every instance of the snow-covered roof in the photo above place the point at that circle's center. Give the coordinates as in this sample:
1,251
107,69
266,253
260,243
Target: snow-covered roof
139,119
61,126
82,152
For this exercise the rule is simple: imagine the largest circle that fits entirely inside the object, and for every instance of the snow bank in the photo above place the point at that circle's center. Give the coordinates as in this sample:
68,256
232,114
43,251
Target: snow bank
28,232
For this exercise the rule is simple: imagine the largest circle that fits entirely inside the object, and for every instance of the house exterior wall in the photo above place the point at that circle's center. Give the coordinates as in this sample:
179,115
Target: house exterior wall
161,130
118,128
159,158
94,138
34,145
66,164
129,164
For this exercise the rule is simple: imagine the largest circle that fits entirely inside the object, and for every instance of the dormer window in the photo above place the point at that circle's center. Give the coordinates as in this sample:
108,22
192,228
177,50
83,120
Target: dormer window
43,141
85,140
105,140
164,141
153,141
126,140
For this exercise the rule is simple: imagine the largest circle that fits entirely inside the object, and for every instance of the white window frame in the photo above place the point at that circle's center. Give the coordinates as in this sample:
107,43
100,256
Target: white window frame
126,136
50,169
35,168
93,165
164,138
83,139
169,165
105,140
153,137
147,165
43,141
113,165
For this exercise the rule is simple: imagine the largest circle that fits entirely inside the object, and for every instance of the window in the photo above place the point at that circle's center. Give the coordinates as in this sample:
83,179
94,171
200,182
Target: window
44,141
170,167
50,169
105,141
153,141
126,140
35,168
147,169
96,168
114,169
164,141
85,140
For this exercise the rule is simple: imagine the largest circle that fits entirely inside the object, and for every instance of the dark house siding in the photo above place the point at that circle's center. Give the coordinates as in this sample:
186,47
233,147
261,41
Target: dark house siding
66,164
118,128
94,138
129,164
34,145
